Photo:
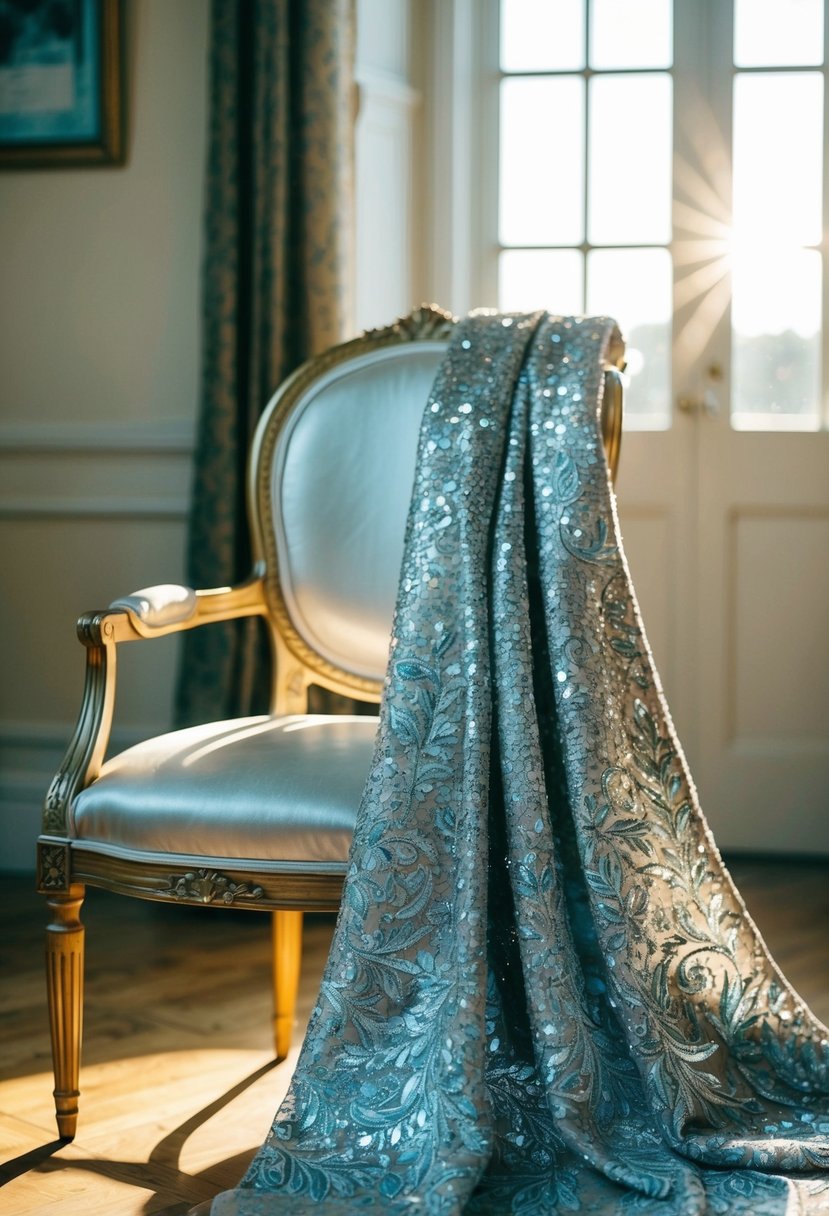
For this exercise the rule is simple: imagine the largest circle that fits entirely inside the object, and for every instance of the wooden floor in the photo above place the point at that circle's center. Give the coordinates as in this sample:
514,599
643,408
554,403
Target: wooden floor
178,1084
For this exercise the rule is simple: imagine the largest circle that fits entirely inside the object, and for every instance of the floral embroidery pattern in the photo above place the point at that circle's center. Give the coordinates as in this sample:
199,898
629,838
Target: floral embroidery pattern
544,994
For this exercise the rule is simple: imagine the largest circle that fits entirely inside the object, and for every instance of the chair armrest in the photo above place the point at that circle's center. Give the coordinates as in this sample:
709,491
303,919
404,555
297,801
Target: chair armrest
154,607
154,612
150,613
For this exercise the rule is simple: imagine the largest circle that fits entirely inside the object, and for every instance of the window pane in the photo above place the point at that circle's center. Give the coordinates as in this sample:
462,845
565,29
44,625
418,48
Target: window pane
540,36
630,160
634,287
631,34
541,194
769,34
776,319
778,168
541,278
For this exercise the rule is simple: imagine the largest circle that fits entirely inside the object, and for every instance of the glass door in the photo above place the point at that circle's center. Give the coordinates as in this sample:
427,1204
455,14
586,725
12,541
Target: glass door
585,224
663,163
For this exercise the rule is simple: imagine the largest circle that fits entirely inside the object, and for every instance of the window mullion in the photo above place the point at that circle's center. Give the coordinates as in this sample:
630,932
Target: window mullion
702,172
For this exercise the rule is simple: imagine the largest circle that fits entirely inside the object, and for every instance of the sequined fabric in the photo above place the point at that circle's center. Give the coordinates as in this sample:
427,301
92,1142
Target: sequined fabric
544,994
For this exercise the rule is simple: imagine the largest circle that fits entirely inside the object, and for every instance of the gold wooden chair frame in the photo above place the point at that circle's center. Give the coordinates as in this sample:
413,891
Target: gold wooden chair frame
66,864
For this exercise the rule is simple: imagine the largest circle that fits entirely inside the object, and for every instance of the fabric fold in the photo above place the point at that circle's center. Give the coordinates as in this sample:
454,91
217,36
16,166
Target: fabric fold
544,994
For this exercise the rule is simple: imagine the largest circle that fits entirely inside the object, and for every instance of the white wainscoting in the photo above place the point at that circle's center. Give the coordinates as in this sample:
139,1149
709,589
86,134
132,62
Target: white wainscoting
87,513
99,346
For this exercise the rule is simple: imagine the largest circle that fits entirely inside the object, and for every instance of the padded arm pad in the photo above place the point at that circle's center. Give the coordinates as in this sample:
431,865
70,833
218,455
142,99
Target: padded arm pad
166,604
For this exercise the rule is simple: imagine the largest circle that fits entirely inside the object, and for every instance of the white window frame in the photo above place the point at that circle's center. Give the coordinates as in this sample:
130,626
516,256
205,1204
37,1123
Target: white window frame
462,173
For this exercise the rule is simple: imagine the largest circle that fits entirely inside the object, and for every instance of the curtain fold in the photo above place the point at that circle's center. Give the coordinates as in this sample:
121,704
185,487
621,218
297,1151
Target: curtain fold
276,286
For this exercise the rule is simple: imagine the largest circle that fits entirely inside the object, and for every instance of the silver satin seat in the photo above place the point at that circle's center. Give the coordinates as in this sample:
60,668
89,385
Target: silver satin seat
275,792
256,813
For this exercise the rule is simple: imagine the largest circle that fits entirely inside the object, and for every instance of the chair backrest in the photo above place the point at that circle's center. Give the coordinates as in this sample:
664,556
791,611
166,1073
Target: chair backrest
330,479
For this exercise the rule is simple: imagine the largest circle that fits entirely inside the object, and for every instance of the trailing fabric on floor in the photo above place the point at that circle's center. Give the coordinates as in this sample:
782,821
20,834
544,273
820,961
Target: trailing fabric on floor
544,994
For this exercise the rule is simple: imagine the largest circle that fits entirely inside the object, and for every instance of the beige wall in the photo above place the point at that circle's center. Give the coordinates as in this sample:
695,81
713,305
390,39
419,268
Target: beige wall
99,350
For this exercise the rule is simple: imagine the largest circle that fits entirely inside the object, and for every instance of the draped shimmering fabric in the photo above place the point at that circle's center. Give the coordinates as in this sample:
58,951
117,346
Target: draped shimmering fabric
544,994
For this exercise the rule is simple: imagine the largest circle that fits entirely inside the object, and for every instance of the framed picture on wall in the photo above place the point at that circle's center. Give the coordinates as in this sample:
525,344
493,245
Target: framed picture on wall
61,97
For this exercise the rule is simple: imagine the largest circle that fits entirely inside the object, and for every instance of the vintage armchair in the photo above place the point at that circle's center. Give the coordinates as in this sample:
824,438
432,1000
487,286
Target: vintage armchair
257,813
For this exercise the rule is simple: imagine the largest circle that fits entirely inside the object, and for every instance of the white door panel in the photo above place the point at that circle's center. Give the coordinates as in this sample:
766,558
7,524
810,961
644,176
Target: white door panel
763,636
656,491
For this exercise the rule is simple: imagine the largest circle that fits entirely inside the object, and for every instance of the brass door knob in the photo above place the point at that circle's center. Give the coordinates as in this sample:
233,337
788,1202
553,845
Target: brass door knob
709,402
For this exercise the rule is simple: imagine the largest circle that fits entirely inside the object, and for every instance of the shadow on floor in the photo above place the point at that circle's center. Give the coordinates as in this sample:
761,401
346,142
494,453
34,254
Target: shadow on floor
165,1155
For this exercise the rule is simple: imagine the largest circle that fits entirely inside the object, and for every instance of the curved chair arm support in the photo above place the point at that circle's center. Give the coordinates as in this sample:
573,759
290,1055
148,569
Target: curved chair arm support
126,620
85,753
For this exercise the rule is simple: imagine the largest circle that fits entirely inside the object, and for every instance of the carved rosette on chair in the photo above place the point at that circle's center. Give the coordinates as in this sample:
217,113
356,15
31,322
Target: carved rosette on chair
257,813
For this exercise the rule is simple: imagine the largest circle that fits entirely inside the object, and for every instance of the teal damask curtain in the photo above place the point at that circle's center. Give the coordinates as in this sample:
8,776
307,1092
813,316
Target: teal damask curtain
276,280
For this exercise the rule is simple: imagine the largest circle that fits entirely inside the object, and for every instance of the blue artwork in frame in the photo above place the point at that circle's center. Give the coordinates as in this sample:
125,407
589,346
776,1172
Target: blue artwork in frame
60,83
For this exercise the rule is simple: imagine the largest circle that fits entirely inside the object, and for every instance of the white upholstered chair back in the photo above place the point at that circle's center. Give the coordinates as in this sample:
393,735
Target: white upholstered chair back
330,481
341,482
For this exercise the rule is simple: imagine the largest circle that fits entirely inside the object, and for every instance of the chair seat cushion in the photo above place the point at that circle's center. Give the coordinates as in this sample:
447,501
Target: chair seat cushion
278,790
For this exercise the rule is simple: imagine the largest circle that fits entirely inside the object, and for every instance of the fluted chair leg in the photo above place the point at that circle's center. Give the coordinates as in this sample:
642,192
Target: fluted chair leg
64,982
287,956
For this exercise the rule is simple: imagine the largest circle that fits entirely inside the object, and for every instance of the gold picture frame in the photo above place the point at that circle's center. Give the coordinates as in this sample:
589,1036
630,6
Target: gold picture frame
61,84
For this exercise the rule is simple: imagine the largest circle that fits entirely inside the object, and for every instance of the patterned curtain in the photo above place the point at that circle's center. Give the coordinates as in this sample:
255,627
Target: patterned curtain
277,274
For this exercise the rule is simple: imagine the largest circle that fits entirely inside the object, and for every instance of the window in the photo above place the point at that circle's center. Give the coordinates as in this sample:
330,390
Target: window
651,177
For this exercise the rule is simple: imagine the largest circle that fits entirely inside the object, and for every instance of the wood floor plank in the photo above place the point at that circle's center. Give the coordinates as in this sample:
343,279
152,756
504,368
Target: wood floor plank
178,1080
69,1175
